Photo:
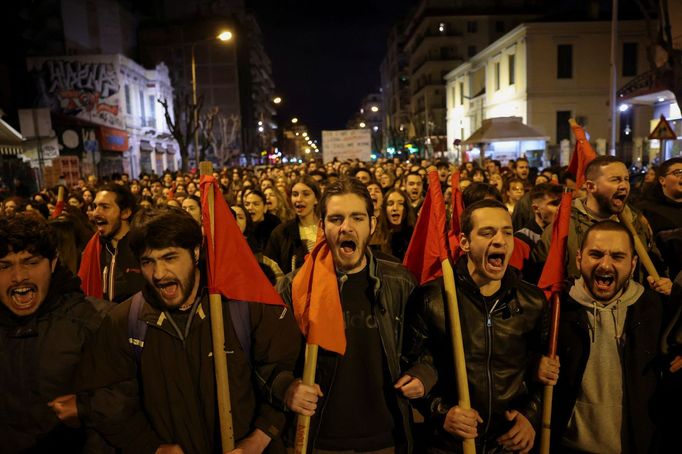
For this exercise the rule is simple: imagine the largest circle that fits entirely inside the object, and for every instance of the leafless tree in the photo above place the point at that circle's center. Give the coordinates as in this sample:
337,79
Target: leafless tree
183,126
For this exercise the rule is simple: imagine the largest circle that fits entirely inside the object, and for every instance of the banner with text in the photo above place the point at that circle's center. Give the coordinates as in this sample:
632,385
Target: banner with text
347,144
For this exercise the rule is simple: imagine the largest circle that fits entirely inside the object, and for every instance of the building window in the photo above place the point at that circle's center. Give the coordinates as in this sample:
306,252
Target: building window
499,26
472,26
497,76
564,62
461,93
152,107
511,63
142,107
563,129
471,51
629,59
129,108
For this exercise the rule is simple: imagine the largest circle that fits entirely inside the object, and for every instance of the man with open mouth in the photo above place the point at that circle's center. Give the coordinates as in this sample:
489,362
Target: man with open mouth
502,330
608,187
108,269
360,401
609,334
154,352
45,323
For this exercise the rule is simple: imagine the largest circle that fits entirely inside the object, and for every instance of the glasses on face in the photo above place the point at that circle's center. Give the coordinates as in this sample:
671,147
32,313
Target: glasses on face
676,173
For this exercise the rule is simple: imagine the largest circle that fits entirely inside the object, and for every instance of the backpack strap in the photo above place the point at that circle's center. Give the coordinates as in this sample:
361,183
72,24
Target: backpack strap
241,321
137,329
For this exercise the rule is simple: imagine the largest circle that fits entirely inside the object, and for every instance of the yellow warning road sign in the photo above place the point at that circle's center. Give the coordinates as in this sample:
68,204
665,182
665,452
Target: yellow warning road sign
663,131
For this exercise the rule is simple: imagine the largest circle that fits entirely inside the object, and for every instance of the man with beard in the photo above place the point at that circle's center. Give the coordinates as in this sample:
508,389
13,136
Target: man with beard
45,322
502,320
108,268
609,333
608,187
366,408
414,186
163,396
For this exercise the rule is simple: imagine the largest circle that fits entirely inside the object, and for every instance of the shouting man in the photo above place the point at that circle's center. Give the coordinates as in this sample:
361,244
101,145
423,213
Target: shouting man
501,319
155,352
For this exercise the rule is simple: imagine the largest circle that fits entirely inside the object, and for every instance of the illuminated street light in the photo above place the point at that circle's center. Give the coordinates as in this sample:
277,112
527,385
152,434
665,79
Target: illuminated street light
362,124
374,109
225,36
305,134
277,100
307,150
260,123
623,107
261,129
294,120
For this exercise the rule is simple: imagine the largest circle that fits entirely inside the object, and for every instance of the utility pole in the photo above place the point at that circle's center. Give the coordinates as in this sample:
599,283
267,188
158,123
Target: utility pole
614,76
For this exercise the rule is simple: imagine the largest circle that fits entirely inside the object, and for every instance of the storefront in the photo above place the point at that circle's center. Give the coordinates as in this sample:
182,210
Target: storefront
113,144
507,138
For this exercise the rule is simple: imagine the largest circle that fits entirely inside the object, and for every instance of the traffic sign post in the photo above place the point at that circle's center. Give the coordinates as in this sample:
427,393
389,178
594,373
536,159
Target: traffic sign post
662,132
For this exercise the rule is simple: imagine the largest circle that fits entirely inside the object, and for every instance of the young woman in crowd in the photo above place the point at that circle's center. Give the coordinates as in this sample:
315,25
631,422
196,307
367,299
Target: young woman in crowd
276,204
395,225
513,191
263,222
291,241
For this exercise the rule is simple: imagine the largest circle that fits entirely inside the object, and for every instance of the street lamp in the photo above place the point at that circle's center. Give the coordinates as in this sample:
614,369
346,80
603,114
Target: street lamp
362,124
224,36
277,100
294,120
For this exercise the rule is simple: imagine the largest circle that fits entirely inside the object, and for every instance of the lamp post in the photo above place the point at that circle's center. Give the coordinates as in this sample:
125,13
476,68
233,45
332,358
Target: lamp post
224,36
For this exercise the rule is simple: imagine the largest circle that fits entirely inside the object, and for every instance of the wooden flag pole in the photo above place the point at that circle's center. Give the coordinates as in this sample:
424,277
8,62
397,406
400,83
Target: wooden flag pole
303,422
218,337
639,247
468,444
548,390
60,194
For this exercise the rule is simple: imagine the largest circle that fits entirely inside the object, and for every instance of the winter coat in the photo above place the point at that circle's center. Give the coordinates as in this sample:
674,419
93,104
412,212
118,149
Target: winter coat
170,397
503,336
393,285
39,356
286,247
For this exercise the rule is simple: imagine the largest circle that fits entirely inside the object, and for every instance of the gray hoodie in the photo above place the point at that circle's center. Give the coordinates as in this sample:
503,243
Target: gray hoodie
596,423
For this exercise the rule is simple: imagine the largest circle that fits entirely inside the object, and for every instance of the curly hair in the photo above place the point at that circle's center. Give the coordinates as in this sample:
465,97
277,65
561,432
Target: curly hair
26,232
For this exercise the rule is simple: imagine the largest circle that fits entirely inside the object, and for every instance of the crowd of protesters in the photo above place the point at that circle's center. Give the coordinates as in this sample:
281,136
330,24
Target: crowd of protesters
72,383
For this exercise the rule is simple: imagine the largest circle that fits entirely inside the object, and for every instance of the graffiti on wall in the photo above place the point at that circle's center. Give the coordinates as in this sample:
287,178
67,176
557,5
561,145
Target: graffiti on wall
87,90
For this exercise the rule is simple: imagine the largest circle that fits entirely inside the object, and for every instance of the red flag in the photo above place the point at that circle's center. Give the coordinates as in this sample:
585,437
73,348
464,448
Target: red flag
171,192
233,270
90,270
316,299
58,208
554,271
583,154
428,245
457,206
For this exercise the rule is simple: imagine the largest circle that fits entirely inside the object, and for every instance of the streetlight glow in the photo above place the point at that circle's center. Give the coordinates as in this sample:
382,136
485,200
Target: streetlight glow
277,100
362,124
374,109
294,120
225,35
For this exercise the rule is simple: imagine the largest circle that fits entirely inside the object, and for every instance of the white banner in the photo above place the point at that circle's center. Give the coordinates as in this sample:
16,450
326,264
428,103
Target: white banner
347,144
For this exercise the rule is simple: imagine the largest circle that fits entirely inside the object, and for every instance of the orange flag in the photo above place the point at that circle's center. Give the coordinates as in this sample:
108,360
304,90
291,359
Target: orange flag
583,154
554,270
457,207
428,245
316,300
233,270
90,271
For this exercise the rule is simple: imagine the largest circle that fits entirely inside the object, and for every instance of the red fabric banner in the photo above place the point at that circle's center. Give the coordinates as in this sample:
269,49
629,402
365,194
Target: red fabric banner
583,154
233,270
90,270
554,271
316,299
428,245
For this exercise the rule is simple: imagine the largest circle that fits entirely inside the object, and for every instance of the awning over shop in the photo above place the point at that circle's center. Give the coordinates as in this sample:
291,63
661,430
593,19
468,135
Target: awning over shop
112,139
504,129
10,140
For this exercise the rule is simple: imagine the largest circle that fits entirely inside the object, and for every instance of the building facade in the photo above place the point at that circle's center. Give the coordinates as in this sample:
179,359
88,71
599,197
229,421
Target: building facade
546,73
439,36
105,112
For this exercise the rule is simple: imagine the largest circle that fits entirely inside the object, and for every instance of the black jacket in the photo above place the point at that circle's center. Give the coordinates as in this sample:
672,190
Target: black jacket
259,235
39,356
665,217
171,398
393,285
641,366
286,247
127,278
503,336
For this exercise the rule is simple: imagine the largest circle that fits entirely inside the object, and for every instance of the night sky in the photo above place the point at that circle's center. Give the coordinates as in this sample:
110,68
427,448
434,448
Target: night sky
325,55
